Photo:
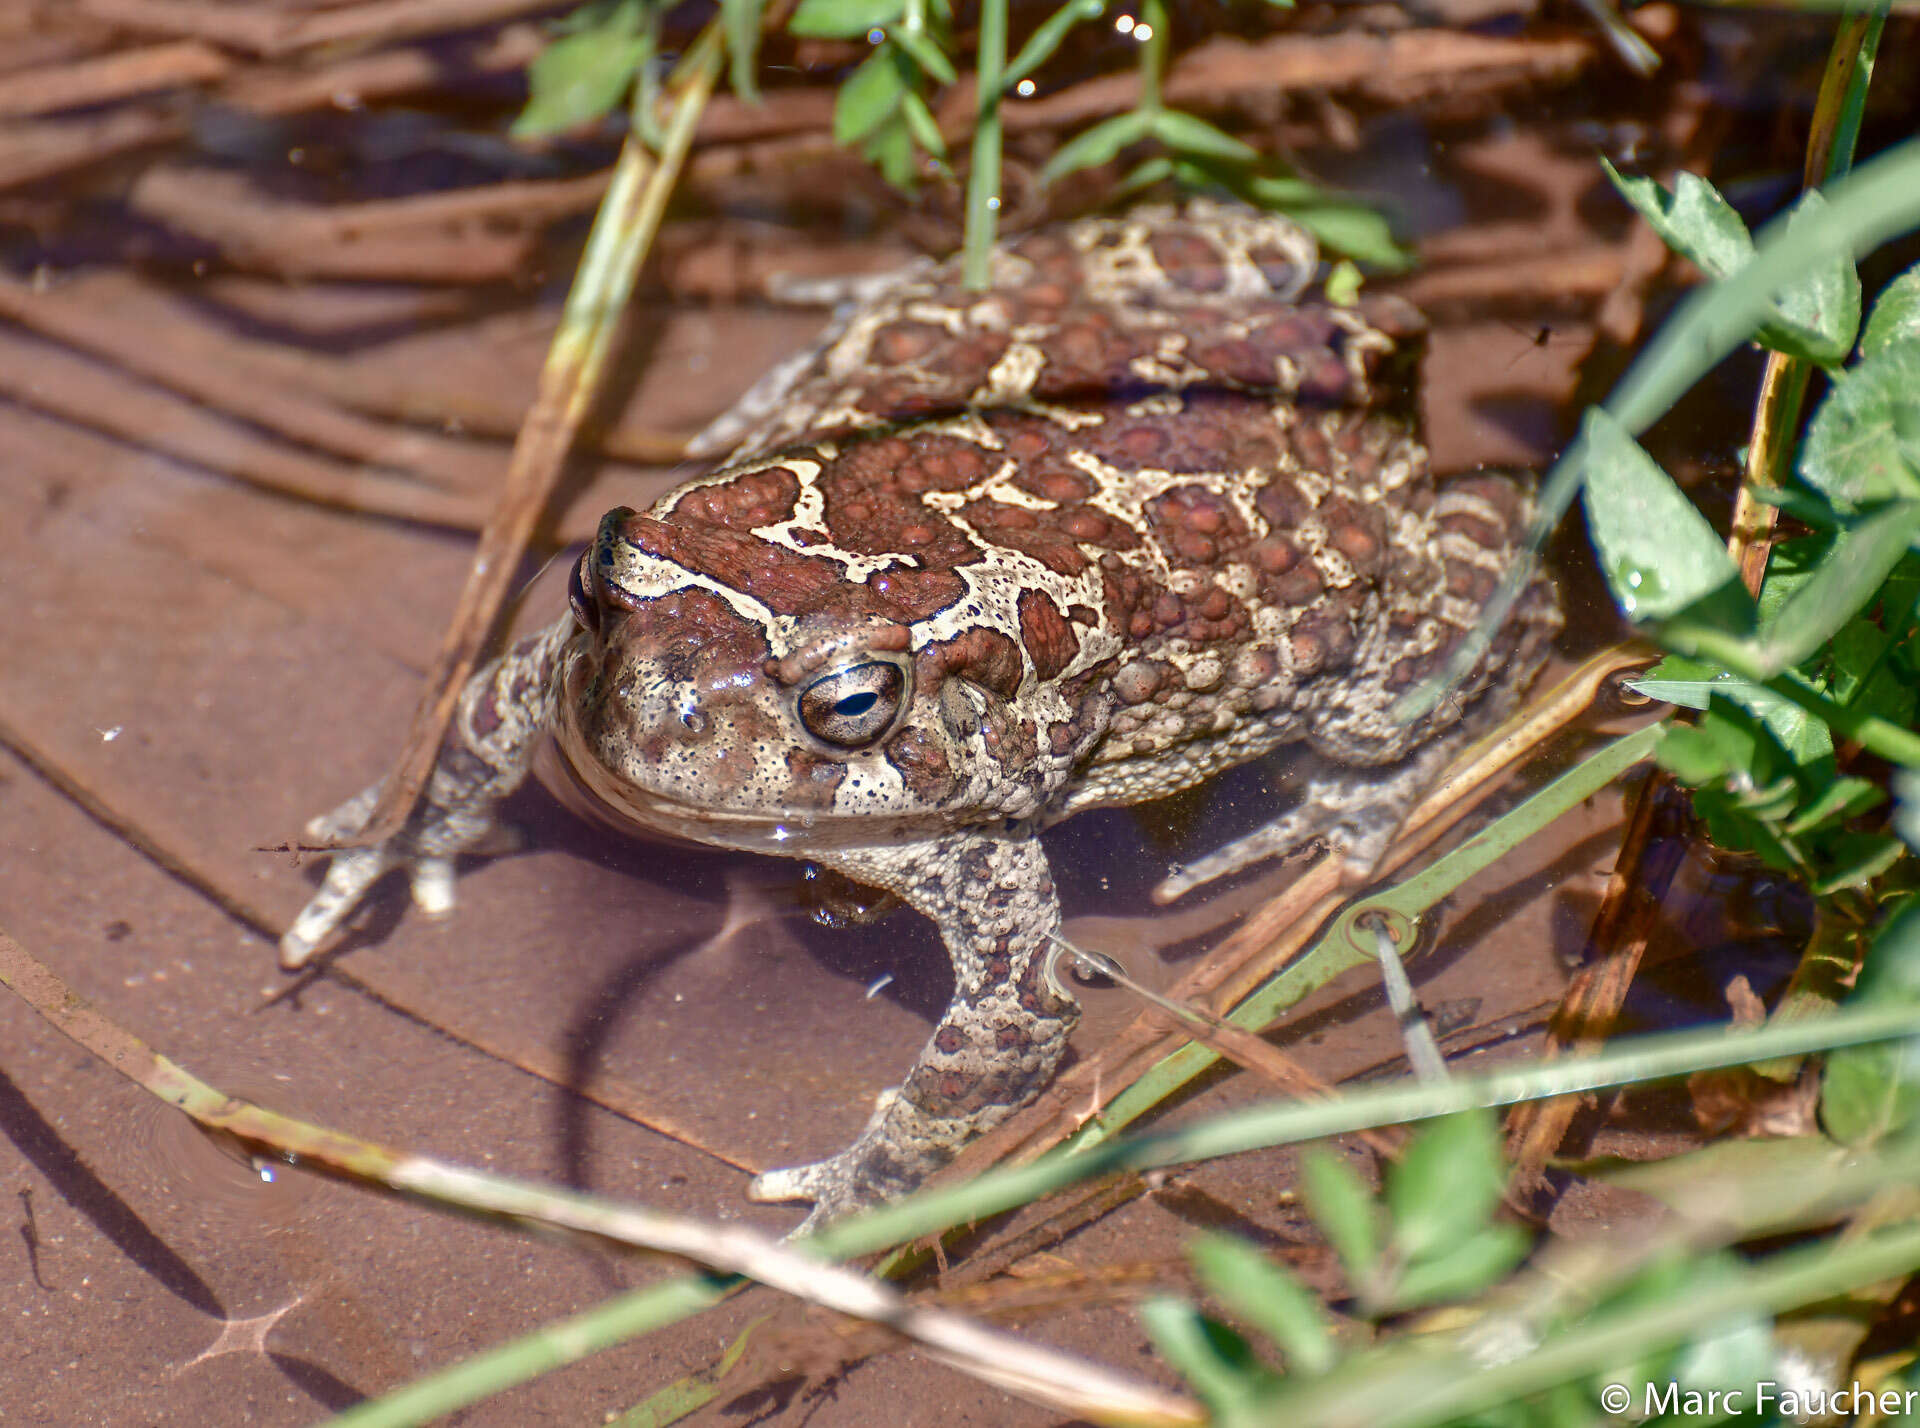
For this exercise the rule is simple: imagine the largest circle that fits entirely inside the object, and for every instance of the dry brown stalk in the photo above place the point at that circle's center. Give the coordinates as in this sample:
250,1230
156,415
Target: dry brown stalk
149,340
293,87
109,77
33,151
87,394
443,237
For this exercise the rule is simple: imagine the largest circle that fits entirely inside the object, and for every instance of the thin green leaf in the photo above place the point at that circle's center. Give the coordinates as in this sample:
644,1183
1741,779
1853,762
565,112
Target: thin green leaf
924,52
1268,1298
843,19
868,96
1462,1269
920,123
1044,41
578,79
1344,1210
1896,315
1692,757
1693,220
1185,134
1659,554
1819,312
1343,284
1845,582
1446,1185
741,21
1156,168
1863,445
1096,146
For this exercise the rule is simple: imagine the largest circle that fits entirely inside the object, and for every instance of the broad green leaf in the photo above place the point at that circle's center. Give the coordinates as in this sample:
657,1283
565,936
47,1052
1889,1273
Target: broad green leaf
1343,1209
1819,313
1044,41
1446,1185
1896,315
578,79
1210,1356
1840,587
1463,1268
1658,552
1097,145
1693,220
843,19
1692,757
1863,445
741,20
1871,1090
924,52
1268,1298
868,96
1186,134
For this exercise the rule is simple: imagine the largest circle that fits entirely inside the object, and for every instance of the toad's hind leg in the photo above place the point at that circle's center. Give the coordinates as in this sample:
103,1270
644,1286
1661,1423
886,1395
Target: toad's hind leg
991,894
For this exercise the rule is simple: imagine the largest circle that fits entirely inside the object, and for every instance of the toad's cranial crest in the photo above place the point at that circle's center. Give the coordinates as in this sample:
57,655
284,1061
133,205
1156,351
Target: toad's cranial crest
1146,509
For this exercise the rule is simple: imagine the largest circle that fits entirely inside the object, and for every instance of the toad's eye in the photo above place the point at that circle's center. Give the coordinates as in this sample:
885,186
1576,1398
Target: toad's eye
854,706
586,609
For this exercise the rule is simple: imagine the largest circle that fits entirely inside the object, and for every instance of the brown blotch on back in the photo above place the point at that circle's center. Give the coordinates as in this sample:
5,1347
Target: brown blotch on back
1189,261
785,581
1050,640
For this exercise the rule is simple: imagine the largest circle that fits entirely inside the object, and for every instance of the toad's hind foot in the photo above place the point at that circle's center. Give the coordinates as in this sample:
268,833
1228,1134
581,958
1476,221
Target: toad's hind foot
1355,813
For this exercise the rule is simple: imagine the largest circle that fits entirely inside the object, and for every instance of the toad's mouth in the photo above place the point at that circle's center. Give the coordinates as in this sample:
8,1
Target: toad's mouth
583,782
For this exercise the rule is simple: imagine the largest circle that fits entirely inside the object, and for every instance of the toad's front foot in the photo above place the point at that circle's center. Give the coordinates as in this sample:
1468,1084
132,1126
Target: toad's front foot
425,848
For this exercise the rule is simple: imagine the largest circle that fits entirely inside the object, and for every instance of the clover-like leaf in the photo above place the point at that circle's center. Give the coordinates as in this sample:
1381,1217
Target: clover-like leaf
1818,315
1446,1185
1863,445
1896,315
1860,559
1693,219
1344,1210
1659,554
1267,1298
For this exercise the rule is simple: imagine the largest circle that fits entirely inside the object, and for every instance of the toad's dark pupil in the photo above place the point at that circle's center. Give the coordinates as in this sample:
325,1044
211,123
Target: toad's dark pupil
857,703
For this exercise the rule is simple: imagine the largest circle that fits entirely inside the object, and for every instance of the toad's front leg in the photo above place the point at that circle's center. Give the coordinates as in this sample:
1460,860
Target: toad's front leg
502,713
991,894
